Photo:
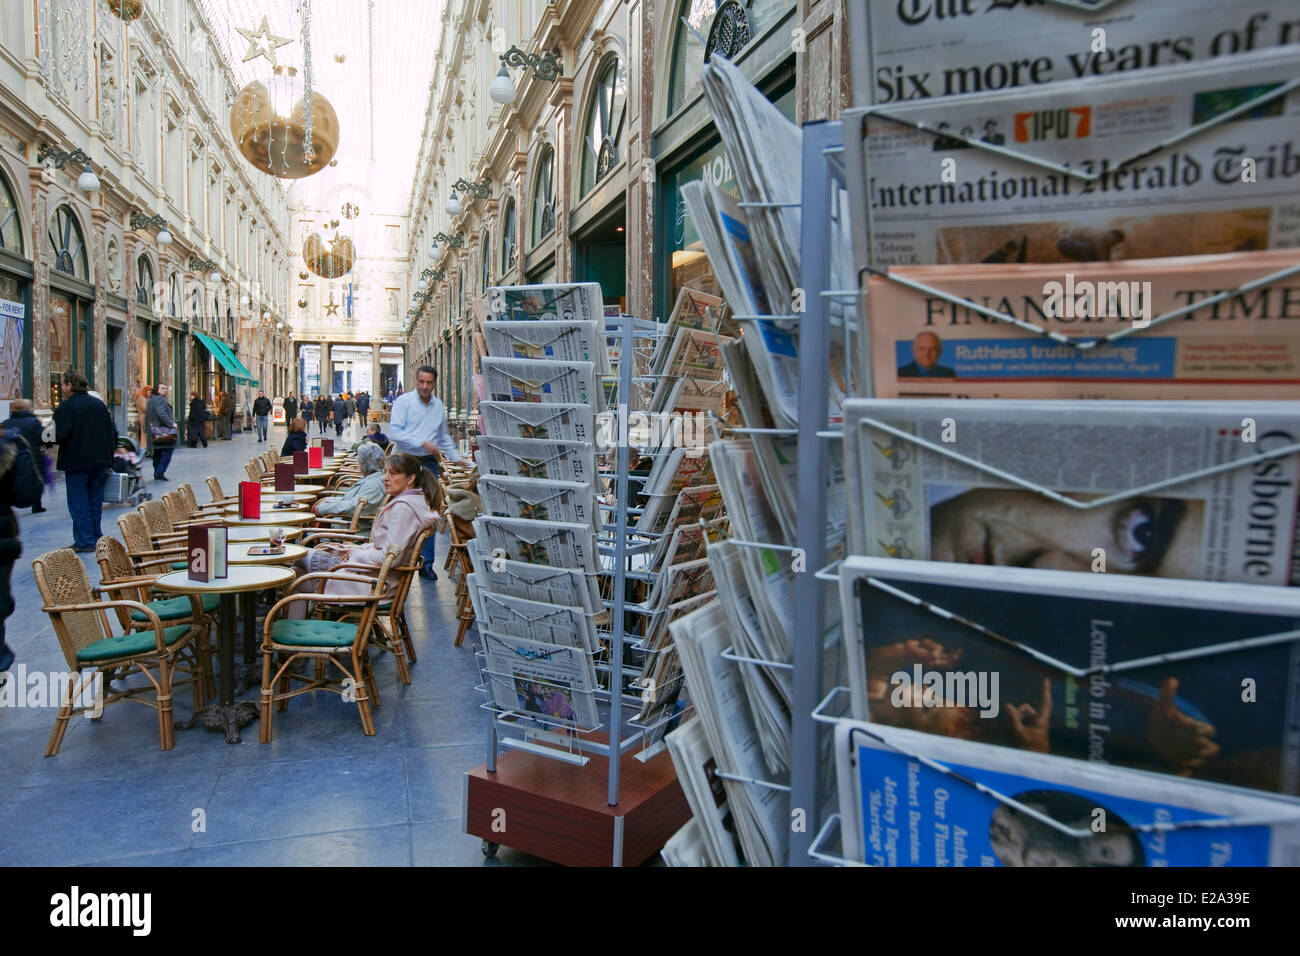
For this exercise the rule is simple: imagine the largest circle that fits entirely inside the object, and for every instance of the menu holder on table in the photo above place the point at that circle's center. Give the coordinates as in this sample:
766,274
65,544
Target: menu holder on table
250,499
327,446
284,479
207,552
300,463
315,457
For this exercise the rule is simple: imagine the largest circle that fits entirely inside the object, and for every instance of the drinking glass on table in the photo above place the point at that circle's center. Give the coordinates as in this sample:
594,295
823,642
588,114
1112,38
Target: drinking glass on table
276,535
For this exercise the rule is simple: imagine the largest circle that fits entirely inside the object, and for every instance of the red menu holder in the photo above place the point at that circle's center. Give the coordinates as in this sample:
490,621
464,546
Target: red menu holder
327,446
284,479
315,457
300,466
207,545
250,499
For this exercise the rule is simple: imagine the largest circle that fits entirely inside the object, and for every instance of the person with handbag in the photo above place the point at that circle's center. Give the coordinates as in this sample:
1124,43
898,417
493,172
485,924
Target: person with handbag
162,431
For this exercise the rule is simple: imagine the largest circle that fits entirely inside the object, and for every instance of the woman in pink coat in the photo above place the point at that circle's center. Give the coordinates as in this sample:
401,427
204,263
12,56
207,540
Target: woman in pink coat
414,494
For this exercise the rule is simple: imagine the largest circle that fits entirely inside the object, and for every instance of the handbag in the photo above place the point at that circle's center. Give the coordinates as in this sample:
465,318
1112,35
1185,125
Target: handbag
163,435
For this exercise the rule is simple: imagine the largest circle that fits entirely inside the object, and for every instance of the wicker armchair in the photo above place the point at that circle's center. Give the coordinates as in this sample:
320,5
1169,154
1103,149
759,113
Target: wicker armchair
197,510
342,645
158,521
219,497
81,624
170,556
117,571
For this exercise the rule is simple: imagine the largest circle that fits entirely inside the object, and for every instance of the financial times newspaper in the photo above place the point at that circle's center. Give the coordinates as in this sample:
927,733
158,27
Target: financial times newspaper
1238,524
1229,186
537,498
555,544
537,458
560,422
926,48
1244,345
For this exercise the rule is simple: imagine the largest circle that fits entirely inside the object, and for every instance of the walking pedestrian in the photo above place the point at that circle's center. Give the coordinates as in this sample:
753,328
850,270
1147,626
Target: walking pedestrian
322,411
349,408
196,429
363,409
20,487
84,431
24,421
290,408
261,409
419,427
339,411
162,430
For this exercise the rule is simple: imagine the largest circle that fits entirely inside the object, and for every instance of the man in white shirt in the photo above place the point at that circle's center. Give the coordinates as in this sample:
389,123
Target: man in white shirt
418,426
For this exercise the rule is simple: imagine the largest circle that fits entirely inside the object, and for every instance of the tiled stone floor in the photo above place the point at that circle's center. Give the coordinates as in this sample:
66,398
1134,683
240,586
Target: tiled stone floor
322,793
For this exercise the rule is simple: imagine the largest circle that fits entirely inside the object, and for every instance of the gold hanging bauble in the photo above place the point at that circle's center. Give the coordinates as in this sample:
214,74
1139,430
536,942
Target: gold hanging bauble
126,10
269,124
332,262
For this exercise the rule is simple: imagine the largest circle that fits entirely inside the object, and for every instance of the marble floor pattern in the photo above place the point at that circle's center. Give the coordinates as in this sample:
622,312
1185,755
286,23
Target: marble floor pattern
322,793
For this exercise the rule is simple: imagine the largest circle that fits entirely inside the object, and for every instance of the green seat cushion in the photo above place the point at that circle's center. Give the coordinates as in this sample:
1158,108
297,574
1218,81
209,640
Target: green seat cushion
170,609
137,642
179,565
314,633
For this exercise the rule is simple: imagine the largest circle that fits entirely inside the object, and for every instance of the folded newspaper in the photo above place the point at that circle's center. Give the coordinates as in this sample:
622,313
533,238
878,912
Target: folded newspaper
563,302
536,582
552,341
559,422
1184,160
553,683
538,498
556,544
916,799
1194,679
1113,487
544,382
537,458
695,765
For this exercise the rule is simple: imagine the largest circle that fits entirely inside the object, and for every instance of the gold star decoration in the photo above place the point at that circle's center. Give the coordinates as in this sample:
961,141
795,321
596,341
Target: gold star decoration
262,42
332,307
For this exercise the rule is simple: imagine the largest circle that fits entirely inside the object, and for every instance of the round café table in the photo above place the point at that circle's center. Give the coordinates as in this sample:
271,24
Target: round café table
244,581
239,555
287,517
303,487
300,502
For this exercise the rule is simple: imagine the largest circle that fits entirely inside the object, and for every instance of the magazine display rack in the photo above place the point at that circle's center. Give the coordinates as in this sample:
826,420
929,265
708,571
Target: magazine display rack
586,795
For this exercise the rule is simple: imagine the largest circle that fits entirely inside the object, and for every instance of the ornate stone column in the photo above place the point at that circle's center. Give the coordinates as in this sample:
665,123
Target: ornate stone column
561,99
40,318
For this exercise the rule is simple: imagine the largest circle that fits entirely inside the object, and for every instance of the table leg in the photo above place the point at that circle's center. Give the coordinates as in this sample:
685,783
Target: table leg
249,670
226,715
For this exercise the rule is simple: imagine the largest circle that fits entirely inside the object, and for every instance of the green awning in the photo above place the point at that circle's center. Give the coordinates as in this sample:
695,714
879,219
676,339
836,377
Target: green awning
227,359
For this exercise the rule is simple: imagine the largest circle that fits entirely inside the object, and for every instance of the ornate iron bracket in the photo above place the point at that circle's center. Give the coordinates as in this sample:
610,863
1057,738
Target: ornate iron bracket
546,66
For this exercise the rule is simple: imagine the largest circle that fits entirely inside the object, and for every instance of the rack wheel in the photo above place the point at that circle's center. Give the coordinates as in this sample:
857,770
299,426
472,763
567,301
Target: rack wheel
490,849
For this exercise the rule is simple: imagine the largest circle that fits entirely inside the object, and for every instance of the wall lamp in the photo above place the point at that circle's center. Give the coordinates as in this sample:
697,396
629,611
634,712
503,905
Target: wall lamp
546,66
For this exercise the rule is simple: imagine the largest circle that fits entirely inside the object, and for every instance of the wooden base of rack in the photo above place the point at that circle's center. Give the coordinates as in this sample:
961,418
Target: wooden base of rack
558,812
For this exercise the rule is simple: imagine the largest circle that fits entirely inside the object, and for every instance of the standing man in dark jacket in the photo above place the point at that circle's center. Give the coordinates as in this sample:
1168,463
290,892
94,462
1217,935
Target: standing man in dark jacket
363,408
340,413
290,409
261,409
18,487
84,431
197,427
23,420
226,414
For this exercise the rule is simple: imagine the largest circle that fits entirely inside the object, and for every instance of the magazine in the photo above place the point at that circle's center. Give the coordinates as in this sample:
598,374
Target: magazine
1087,486
1190,159
1033,809
924,345
1190,678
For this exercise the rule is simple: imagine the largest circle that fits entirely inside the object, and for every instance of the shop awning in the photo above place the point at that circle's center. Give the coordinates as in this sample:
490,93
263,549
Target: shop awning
226,358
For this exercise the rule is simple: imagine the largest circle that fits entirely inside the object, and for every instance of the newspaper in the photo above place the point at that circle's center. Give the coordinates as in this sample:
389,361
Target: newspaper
768,689
556,544
692,310
549,681
745,492
693,505
922,49
537,498
1227,185
537,458
563,302
508,616
553,341
669,475
686,847
557,422
531,380
1142,672
1238,347
695,765
1033,809
534,582
1234,525
762,813
662,683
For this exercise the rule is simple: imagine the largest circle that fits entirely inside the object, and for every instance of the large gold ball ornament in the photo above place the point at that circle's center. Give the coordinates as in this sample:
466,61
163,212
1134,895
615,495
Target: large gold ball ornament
331,262
269,124
126,10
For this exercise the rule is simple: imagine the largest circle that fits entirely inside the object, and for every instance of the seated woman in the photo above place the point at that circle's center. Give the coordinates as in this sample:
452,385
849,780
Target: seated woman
375,433
370,459
296,439
414,496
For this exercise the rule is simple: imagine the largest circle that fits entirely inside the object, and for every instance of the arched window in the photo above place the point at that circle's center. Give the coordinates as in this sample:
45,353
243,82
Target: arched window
485,261
603,130
543,221
716,28
68,244
508,237
11,227
144,282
